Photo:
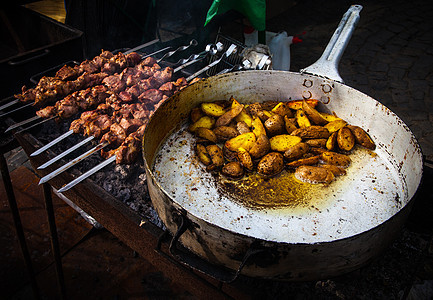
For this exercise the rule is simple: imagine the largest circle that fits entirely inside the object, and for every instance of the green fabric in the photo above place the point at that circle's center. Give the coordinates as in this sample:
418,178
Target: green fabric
254,10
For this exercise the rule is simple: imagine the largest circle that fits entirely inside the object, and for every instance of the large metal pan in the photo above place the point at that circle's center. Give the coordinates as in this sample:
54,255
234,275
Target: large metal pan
331,229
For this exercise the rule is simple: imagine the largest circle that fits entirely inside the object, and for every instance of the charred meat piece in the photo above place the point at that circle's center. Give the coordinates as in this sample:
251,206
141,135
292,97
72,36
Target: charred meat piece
67,73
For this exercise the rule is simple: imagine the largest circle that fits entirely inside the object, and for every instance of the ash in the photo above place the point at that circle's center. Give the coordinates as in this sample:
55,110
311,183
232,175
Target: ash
126,183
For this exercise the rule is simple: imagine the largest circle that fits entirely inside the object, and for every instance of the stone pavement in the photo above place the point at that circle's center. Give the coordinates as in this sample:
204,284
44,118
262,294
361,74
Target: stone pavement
389,57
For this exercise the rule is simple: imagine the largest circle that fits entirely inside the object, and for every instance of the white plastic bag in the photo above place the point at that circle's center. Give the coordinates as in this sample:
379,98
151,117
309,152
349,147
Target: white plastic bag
280,50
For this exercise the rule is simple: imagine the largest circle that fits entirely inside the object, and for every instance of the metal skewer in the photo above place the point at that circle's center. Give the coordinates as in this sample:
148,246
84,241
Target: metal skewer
16,125
52,143
16,109
9,104
181,48
72,163
63,154
87,174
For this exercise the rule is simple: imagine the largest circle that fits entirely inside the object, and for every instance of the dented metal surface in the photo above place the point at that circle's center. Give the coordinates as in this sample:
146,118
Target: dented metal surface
359,213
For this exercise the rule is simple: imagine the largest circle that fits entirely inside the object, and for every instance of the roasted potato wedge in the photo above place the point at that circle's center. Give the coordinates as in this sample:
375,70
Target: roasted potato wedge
282,109
336,125
336,170
311,132
296,151
313,115
297,104
229,155
242,127
206,133
216,155
269,104
330,117
245,159
312,160
233,170
253,109
362,137
331,142
245,141
224,133
283,142
243,116
212,109
205,121
290,124
257,127
314,175
302,119
202,154
261,147
196,114
264,115
337,159
317,143
228,116
271,164
275,125
345,139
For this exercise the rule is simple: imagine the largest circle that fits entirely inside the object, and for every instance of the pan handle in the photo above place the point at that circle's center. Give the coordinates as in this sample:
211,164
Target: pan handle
327,64
197,263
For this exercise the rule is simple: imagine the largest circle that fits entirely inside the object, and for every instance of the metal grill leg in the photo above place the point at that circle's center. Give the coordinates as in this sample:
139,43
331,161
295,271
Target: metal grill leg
18,225
54,239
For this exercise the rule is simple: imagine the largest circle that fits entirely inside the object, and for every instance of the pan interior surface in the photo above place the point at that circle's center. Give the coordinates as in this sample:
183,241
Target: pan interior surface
278,209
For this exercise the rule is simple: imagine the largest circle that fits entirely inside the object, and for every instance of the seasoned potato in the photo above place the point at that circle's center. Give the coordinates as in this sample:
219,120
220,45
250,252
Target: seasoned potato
330,117
297,104
304,161
253,109
260,147
282,109
245,141
362,137
313,115
271,164
257,127
311,132
331,143
275,125
283,142
202,154
243,116
335,125
224,133
336,170
206,133
245,159
269,104
302,119
318,143
205,121
229,155
212,109
290,124
228,116
242,127
196,114
296,151
314,175
216,155
337,159
264,115
345,139
233,169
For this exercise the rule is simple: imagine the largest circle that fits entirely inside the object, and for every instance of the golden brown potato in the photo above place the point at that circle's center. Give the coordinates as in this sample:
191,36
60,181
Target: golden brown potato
224,133
317,143
362,137
261,147
336,170
275,125
228,116
290,124
245,159
302,119
257,127
283,142
311,132
264,115
345,139
253,109
205,121
245,141
336,125
196,114
271,164
304,161
313,115
202,154
330,117
297,104
229,155
233,170
242,127
282,109
269,104
337,159
296,151
212,109
331,143
206,133
216,155
314,175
